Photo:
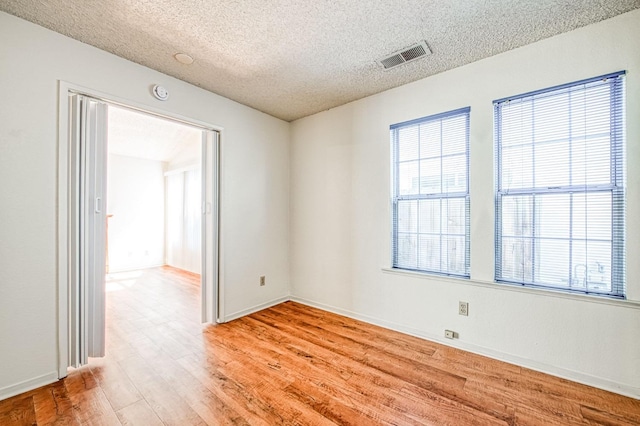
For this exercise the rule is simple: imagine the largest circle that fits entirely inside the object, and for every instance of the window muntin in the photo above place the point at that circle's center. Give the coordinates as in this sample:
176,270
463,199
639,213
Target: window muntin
430,187
560,200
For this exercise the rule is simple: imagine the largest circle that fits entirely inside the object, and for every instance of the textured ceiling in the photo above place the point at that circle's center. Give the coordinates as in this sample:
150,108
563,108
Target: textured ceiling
293,58
139,135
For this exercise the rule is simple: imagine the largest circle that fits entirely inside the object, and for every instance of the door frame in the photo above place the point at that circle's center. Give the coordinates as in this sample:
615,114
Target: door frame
66,203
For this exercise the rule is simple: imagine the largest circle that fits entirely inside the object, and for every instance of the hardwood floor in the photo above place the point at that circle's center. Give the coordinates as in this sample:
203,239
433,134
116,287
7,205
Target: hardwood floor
290,364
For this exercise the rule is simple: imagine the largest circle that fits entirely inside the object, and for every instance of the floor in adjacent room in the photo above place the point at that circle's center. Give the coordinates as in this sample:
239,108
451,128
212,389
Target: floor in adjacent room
290,364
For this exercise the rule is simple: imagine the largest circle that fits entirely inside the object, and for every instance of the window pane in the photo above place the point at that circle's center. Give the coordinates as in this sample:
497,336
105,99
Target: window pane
408,144
408,178
517,167
553,216
598,266
551,118
407,250
454,215
552,262
430,139
407,216
429,253
454,176
517,122
454,135
552,164
590,112
453,254
430,216
591,265
517,216
591,162
592,216
430,179
516,259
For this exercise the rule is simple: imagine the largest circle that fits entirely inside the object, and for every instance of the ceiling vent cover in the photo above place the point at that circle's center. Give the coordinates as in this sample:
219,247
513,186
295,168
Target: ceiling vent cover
409,54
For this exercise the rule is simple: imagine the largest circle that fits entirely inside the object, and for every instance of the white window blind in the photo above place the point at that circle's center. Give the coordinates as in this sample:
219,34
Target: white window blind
560,202
430,194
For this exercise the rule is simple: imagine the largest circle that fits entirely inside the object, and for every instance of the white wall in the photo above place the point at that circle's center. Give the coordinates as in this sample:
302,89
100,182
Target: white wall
135,198
183,184
184,219
255,191
340,217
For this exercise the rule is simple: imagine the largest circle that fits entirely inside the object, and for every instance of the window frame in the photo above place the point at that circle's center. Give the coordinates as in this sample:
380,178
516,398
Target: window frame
616,186
396,197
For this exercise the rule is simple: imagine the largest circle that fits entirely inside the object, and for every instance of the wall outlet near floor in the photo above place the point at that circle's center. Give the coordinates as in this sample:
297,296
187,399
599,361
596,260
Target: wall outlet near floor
450,334
463,308
263,280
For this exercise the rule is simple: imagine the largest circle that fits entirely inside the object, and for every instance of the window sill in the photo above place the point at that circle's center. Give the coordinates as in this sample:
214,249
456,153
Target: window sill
592,298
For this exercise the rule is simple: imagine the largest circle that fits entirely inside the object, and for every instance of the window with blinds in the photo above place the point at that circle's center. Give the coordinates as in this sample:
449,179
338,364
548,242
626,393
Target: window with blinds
560,201
430,194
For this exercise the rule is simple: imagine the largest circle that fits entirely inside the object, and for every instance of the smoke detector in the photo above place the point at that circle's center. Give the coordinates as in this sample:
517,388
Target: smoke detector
409,54
160,92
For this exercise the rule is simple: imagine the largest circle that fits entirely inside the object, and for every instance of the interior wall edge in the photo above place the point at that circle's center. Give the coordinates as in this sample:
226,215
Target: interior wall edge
575,376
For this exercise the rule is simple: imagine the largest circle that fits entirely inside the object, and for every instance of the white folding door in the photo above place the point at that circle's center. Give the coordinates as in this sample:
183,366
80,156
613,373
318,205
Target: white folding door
88,119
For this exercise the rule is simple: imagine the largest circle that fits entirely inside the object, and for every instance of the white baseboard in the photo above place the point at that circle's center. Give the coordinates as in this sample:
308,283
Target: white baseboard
586,379
137,268
256,308
27,385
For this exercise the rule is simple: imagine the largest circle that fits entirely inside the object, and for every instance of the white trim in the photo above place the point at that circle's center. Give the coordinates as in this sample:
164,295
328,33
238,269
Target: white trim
62,231
586,379
28,385
547,292
220,249
256,308
140,268
136,106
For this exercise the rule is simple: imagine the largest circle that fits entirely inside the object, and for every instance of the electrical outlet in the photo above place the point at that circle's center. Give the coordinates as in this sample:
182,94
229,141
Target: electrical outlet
263,280
450,334
463,308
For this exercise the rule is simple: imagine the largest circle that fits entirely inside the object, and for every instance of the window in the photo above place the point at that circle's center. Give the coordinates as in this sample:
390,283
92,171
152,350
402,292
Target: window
431,194
560,201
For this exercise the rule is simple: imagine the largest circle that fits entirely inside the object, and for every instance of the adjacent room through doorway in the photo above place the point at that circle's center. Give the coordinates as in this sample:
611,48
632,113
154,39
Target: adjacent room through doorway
153,193
154,214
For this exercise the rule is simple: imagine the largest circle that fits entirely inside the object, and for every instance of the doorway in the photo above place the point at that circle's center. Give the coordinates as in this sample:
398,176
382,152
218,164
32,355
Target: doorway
154,188
84,211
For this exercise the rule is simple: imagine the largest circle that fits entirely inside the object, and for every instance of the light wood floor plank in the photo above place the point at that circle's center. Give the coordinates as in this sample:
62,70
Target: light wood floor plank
138,414
53,405
114,383
160,396
17,411
292,365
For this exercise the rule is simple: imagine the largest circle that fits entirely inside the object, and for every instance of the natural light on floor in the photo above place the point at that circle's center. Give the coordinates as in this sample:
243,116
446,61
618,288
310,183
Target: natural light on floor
121,280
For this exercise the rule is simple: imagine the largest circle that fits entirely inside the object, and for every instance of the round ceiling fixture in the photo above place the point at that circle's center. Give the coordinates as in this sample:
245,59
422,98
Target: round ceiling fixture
183,58
160,92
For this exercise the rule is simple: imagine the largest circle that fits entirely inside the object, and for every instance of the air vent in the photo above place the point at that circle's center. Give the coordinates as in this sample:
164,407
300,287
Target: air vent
409,54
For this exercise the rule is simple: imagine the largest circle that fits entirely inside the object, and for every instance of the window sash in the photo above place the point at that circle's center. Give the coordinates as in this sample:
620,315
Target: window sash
532,258
432,250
